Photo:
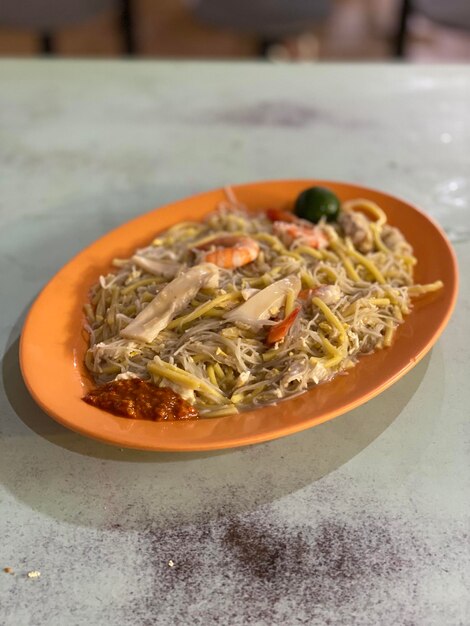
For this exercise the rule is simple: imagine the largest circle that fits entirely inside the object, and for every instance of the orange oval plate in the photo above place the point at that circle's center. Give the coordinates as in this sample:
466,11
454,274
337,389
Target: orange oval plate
53,342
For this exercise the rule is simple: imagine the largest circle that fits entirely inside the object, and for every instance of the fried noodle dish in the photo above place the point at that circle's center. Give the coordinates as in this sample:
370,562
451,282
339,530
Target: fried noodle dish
245,309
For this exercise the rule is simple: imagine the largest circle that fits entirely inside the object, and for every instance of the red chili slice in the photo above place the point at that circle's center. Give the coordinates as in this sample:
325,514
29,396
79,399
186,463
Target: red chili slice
277,215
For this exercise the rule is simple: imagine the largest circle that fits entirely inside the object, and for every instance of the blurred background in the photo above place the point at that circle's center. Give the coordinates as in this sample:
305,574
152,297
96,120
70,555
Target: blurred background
280,30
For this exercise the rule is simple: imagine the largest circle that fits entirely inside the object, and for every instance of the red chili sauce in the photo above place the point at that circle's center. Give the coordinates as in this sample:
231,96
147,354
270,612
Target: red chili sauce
140,400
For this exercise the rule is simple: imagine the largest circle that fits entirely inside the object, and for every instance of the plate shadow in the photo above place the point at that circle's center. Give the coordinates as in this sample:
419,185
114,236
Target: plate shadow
87,483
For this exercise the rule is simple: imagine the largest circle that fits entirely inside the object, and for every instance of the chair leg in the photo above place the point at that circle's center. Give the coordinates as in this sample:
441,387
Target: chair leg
400,38
127,27
264,45
47,43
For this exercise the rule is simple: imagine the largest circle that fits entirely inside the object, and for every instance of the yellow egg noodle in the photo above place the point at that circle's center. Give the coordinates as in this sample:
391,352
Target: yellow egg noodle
170,316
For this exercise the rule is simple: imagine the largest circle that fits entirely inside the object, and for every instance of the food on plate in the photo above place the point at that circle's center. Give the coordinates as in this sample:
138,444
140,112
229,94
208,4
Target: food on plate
246,308
140,400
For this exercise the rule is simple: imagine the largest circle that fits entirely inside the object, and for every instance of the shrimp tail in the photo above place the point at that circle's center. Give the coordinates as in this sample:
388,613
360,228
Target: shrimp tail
279,331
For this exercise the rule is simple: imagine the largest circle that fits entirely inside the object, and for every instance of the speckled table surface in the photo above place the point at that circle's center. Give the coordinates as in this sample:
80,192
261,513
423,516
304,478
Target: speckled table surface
362,520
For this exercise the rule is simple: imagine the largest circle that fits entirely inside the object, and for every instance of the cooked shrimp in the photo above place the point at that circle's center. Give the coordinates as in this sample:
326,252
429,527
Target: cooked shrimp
308,235
279,331
231,251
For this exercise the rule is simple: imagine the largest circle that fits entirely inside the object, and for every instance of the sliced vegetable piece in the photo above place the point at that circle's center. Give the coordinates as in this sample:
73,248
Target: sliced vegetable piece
168,269
266,302
175,374
279,331
172,299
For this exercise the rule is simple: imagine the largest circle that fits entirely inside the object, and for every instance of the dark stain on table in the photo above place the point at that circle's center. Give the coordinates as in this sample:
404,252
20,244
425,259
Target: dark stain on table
261,562
277,113
260,552
272,113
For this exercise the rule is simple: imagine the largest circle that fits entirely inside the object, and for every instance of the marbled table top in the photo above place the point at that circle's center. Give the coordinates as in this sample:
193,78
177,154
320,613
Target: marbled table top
362,520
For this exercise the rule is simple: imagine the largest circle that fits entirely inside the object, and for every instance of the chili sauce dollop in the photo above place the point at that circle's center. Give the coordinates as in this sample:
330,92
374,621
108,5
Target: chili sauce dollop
140,400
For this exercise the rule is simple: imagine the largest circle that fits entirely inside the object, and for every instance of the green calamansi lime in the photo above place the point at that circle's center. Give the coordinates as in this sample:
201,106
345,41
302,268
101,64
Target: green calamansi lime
315,203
